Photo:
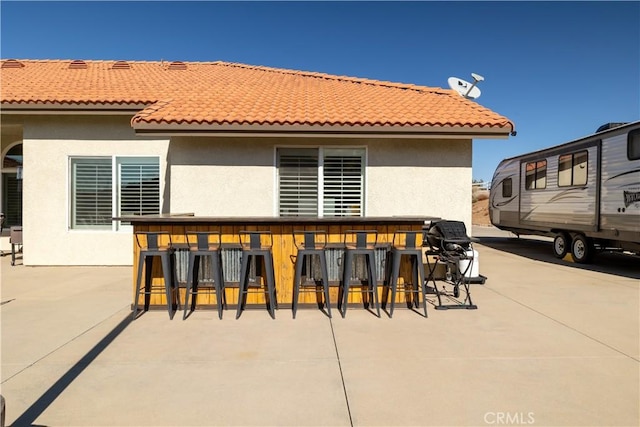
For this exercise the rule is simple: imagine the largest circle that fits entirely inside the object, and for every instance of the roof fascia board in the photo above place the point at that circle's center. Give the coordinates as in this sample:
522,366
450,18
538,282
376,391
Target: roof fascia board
324,134
43,108
70,112
195,127
306,130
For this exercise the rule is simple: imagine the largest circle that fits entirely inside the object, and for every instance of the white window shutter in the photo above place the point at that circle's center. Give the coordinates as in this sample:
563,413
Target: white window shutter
343,184
298,182
139,187
91,193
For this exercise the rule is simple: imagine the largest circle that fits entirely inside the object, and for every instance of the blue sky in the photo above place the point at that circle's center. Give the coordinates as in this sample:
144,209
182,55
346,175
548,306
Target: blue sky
557,69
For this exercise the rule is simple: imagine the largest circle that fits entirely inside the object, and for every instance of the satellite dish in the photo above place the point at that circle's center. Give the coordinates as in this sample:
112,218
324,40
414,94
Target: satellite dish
464,88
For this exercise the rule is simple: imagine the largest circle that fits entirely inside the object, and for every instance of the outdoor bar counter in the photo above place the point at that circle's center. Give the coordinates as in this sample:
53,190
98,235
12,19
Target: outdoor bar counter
284,252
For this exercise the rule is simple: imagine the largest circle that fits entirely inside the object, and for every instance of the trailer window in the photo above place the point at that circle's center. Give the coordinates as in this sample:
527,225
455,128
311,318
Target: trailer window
536,175
633,145
572,169
507,187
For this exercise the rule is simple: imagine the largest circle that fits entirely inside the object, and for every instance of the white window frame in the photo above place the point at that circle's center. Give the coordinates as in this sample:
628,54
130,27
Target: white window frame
116,196
322,153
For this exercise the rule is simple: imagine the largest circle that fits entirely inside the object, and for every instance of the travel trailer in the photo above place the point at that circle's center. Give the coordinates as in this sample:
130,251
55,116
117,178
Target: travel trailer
584,193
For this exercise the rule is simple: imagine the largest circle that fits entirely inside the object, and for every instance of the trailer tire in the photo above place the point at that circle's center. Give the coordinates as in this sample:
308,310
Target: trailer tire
582,249
561,244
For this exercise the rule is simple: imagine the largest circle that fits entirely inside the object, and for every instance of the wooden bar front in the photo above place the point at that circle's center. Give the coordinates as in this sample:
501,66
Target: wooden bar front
284,250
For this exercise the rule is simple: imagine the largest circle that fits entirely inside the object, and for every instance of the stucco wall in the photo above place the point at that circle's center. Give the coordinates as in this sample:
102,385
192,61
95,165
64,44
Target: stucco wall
420,177
48,143
222,176
237,176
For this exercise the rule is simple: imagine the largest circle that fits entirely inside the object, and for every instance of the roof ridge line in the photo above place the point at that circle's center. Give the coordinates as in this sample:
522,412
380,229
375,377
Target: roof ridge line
313,74
328,76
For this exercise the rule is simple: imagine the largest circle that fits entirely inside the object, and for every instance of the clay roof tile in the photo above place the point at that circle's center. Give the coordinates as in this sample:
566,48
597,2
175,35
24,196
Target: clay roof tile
224,93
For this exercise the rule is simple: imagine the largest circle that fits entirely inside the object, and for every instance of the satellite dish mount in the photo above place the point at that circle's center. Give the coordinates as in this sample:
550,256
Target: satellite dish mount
466,89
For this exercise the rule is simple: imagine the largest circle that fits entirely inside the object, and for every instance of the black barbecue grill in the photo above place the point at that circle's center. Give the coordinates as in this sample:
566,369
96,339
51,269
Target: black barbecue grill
450,246
448,236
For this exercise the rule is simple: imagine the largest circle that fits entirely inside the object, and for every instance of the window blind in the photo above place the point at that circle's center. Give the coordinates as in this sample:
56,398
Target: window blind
139,188
91,193
342,188
298,182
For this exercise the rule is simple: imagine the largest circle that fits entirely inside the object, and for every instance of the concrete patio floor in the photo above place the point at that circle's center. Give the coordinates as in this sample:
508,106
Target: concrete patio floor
551,344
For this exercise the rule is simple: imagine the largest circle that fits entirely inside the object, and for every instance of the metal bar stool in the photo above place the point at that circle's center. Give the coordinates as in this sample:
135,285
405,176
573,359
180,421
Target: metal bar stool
204,248
15,239
150,247
359,242
310,245
257,245
404,245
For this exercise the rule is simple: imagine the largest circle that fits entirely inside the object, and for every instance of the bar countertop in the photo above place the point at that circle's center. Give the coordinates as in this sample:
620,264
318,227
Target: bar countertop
192,219
283,246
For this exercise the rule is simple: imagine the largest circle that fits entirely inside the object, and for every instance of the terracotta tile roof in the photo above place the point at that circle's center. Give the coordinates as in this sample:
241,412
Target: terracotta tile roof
221,93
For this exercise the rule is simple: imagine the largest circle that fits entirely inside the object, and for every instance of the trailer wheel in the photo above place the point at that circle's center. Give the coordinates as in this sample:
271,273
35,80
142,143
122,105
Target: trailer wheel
561,244
582,249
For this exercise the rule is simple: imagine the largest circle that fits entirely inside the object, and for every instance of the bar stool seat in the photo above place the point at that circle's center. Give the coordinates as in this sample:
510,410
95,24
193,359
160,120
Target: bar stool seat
359,242
256,246
404,245
311,244
203,246
150,248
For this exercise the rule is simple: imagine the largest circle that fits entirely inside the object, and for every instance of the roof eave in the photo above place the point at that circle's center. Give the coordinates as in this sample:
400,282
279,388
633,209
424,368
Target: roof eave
276,130
39,107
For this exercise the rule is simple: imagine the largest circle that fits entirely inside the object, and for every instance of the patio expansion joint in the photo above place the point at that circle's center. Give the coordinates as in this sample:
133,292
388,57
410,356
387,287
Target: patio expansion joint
484,358
344,387
636,359
40,359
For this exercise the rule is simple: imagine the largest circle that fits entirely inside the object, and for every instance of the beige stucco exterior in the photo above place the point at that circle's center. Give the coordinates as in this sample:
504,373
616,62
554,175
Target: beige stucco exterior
222,176
216,176
423,177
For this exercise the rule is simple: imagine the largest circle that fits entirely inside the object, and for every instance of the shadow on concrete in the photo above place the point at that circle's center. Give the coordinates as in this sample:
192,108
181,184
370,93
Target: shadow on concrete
619,264
49,396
